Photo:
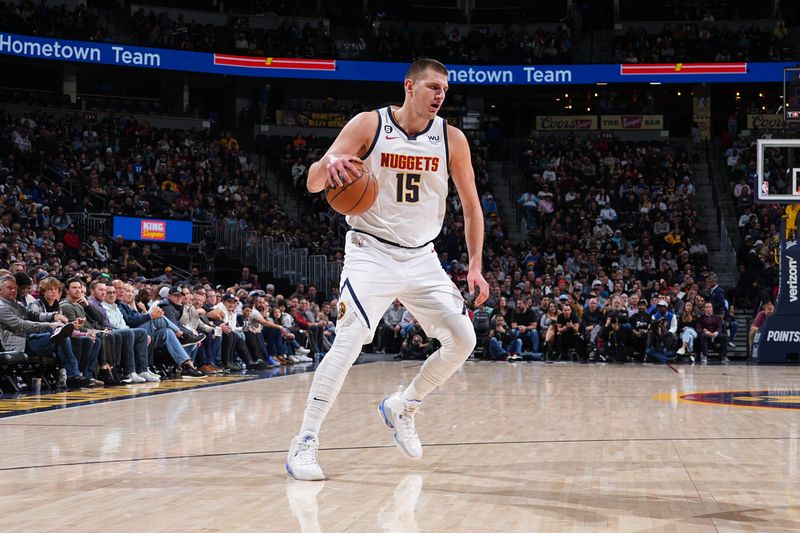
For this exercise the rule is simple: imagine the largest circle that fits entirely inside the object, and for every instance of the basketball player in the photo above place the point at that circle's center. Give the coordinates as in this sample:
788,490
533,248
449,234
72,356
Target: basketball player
389,252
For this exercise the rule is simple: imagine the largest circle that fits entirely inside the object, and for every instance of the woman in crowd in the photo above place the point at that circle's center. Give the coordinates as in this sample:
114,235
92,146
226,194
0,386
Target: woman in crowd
686,327
547,324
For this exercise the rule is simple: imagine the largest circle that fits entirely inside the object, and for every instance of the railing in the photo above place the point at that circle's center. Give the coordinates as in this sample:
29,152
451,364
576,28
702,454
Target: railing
277,258
725,244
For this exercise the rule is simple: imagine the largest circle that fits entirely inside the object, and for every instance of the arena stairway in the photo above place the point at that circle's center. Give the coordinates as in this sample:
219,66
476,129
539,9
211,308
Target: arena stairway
743,318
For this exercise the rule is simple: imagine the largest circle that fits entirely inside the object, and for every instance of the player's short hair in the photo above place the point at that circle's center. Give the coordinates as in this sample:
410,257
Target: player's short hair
418,68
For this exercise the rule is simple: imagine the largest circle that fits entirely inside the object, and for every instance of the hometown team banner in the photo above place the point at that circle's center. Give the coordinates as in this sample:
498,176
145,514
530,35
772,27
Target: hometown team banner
329,69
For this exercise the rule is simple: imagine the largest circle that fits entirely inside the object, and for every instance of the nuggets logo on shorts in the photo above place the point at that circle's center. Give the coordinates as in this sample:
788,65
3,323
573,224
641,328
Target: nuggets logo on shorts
773,399
342,310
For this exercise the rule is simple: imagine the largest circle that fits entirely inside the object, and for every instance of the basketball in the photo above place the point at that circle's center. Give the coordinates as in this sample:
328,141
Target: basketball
356,197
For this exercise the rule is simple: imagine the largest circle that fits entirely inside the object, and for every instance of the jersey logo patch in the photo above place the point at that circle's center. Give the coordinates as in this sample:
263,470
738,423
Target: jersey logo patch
388,129
342,310
392,138
435,140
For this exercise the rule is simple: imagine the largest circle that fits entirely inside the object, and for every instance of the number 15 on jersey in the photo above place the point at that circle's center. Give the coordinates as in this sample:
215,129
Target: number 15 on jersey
408,188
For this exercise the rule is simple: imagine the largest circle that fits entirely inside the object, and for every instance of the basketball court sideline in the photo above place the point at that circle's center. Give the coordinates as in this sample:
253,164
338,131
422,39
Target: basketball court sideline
528,447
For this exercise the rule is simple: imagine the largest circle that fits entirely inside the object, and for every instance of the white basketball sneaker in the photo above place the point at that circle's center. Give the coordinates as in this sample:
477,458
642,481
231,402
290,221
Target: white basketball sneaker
399,416
301,463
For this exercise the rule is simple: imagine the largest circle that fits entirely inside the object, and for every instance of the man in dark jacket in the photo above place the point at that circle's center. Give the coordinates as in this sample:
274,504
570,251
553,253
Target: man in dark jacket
640,326
503,343
711,331
660,342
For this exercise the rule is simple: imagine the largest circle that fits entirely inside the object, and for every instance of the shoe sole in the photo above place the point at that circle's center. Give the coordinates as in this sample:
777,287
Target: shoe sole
382,411
388,423
291,475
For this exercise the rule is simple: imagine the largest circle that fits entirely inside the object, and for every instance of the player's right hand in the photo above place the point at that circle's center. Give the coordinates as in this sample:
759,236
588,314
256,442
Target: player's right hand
337,169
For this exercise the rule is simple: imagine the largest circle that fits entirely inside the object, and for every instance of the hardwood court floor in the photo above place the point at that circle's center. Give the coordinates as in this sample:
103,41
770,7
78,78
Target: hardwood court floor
524,447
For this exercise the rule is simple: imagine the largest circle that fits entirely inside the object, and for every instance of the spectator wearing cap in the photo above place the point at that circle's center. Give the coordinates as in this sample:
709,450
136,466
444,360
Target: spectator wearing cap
37,333
660,342
24,285
164,332
253,328
662,310
233,342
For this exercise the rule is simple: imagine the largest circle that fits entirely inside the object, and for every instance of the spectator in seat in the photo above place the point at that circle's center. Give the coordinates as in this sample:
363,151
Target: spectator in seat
547,326
233,343
568,328
389,334
123,341
524,325
305,319
481,321
503,344
660,342
76,306
640,328
687,326
416,347
164,333
140,336
616,343
591,325
37,333
85,346
710,330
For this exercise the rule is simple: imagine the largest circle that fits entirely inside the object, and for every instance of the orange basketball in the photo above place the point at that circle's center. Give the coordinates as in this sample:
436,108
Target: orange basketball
356,197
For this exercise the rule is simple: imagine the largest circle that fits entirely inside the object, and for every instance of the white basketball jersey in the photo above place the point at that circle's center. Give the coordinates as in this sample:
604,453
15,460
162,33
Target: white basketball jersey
412,173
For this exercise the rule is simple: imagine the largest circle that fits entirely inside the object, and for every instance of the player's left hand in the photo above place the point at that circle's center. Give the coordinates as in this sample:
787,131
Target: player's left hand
475,277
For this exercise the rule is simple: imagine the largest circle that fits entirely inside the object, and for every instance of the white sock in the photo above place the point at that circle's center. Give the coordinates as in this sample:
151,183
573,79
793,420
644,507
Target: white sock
457,336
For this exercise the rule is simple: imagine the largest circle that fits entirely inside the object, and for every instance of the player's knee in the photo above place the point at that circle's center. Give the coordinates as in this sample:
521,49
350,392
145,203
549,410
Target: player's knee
354,334
459,334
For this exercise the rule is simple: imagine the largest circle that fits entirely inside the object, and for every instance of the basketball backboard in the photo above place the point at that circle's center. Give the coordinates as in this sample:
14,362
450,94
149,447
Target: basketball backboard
778,171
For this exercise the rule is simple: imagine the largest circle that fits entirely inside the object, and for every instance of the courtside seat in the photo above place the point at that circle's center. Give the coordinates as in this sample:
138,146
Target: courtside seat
10,365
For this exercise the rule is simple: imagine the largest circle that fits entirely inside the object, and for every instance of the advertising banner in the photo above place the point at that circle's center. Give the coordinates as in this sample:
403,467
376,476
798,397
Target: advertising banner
124,55
153,230
764,122
632,122
702,115
566,123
